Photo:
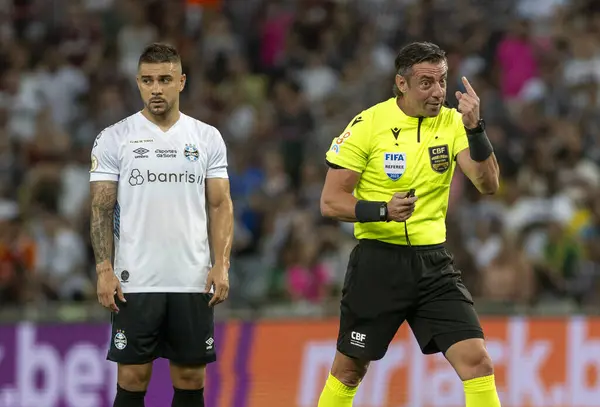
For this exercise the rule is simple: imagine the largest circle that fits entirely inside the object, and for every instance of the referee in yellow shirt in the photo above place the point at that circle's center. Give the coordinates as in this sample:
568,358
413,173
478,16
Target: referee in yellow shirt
390,173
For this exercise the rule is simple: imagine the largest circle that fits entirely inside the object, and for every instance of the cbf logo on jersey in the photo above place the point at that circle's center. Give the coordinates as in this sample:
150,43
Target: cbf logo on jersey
191,152
439,158
394,165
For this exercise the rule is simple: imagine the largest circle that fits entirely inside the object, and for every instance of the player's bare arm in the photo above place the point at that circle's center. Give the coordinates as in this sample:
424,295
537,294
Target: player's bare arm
338,201
220,216
484,173
104,198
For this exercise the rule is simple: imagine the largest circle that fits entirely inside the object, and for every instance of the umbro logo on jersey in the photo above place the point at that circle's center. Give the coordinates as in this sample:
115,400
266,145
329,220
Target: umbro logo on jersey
357,120
141,152
395,132
209,343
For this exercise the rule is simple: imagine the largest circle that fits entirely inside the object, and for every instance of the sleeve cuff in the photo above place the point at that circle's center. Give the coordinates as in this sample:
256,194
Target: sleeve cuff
103,176
344,166
217,173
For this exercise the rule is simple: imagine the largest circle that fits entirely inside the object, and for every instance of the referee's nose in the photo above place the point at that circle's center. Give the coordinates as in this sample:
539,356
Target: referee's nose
438,90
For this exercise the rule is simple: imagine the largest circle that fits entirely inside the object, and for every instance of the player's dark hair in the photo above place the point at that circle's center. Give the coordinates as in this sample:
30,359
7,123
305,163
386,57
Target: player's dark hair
158,53
416,53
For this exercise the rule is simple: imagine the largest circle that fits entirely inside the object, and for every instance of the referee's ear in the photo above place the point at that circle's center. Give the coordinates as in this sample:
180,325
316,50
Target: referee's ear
401,83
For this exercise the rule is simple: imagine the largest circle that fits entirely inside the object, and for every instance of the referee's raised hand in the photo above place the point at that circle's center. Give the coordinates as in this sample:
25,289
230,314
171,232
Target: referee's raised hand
468,105
401,206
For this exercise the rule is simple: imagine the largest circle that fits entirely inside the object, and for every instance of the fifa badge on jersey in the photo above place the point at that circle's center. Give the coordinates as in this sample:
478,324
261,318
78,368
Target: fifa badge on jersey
394,165
94,165
190,152
120,340
439,157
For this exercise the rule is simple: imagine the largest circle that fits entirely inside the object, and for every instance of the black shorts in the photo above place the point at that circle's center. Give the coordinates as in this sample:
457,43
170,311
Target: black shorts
174,326
387,284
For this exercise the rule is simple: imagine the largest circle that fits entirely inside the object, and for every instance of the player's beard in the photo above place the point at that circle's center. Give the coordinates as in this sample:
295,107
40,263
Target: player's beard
158,109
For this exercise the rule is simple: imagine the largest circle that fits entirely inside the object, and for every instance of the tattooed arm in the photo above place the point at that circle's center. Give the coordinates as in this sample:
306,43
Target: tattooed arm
104,198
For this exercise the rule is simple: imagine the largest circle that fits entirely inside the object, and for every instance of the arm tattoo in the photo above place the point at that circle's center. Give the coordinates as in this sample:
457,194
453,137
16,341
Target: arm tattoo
104,198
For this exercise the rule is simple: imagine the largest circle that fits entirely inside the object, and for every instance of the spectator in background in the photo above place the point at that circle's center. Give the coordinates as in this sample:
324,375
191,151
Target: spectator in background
561,262
61,260
293,126
280,78
509,277
133,37
517,57
307,276
17,258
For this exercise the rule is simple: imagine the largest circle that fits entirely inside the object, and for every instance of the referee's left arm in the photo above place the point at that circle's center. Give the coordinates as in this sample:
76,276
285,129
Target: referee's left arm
483,174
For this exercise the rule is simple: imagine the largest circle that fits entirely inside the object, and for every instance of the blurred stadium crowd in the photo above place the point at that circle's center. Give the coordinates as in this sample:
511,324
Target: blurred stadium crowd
281,79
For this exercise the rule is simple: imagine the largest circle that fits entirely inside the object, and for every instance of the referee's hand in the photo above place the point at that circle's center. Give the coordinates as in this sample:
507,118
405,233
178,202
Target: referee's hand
108,285
218,278
401,207
468,105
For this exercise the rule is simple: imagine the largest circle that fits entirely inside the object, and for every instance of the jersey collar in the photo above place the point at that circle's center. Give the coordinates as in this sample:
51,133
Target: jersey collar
156,128
402,117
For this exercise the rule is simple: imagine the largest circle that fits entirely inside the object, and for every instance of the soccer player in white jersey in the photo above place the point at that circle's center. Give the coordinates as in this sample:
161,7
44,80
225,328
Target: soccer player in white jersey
152,177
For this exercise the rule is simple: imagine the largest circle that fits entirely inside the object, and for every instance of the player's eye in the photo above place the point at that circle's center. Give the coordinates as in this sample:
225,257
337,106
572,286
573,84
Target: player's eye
443,81
425,84
166,80
146,81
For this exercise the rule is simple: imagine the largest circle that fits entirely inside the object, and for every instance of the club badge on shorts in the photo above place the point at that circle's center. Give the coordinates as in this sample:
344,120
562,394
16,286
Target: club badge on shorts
439,157
394,165
120,340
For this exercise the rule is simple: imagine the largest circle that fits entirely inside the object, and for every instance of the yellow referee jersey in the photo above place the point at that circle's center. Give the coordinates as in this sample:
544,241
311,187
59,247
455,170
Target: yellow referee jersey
394,153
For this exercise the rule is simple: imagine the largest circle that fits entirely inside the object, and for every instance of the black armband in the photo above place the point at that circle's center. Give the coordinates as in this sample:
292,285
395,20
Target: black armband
480,147
371,211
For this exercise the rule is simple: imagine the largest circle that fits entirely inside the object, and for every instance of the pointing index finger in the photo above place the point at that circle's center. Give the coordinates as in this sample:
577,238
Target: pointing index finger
468,87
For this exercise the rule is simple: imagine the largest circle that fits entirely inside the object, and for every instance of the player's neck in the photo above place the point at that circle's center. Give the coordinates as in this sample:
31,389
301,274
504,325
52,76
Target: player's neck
166,121
406,109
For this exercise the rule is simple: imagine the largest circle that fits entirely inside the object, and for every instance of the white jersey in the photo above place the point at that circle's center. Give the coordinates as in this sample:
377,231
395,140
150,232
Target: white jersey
160,224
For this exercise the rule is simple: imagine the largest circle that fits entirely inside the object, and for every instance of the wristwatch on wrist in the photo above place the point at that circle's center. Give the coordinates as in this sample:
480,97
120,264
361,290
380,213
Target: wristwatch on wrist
480,127
383,212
